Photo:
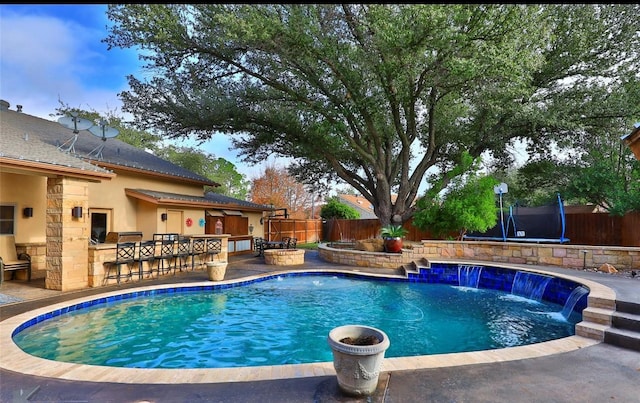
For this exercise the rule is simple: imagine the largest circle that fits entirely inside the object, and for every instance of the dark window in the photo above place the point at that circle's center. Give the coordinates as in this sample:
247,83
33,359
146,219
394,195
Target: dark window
7,220
98,227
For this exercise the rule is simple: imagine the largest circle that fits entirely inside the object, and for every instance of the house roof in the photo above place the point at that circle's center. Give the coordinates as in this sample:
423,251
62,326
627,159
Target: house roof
209,200
32,141
362,205
580,209
226,202
21,149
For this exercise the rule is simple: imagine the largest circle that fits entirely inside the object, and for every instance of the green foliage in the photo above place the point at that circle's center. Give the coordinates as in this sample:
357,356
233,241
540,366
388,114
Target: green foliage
469,206
219,170
377,95
333,208
602,184
599,171
393,231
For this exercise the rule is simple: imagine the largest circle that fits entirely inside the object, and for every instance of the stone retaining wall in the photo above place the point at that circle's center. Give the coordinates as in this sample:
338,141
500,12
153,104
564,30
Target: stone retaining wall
350,257
567,256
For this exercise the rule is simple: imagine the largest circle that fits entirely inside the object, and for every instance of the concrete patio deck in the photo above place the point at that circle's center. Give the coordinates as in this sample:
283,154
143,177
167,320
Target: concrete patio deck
597,373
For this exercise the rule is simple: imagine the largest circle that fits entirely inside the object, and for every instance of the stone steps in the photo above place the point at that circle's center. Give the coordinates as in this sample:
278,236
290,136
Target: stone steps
625,326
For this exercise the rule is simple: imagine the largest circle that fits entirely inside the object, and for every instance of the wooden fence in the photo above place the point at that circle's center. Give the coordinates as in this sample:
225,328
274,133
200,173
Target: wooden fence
306,231
351,230
581,229
603,229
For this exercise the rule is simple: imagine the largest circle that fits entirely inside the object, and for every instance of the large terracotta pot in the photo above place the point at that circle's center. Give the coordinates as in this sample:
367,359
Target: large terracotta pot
357,366
393,245
216,270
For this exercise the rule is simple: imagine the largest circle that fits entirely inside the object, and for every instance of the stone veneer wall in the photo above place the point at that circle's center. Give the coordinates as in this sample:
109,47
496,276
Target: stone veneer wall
67,237
561,255
350,257
38,253
284,257
567,256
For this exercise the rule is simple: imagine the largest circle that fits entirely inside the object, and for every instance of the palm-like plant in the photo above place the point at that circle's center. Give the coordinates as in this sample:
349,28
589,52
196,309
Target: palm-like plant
393,231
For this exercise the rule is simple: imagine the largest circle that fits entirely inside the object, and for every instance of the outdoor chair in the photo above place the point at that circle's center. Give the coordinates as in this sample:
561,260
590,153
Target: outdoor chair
258,245
285,242
293,243
182,254
198,249
10,260
125,255
214,247
164,255
146,253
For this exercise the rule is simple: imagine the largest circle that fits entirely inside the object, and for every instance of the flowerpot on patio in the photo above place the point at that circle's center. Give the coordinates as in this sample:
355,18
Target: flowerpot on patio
358,352
216,270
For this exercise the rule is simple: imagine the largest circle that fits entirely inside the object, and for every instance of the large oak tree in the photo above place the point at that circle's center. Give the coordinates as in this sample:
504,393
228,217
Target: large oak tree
377,96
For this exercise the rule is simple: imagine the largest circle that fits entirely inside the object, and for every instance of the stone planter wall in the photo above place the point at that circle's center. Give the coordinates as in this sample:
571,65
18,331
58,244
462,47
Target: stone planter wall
350,257
284,257
567,256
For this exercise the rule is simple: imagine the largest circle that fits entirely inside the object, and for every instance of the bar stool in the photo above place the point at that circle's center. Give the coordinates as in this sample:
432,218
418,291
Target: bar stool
214,247
164,255
125,255
181,254
198,248
146,253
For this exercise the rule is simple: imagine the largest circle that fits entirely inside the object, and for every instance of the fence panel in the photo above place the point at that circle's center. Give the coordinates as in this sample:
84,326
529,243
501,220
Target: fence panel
631,229
350,230
593,229
306,231
581,229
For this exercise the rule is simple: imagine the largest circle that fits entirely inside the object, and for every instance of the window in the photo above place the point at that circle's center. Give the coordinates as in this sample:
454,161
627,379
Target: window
7,220
99,224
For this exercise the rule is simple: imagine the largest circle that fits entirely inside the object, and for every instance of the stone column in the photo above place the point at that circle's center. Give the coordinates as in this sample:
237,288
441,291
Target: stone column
67,236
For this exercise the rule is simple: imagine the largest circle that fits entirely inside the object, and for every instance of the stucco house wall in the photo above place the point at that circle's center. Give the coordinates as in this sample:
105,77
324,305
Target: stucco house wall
45,166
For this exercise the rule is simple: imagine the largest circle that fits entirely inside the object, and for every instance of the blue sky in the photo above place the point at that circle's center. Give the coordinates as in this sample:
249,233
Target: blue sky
55,52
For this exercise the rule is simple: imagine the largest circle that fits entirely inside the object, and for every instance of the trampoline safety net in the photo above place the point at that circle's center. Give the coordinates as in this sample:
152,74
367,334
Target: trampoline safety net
527,224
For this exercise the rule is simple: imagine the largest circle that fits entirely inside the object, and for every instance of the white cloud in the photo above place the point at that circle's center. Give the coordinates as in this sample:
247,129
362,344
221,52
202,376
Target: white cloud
44,59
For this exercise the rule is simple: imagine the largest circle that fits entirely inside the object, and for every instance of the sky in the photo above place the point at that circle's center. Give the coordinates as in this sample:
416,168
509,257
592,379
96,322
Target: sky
54,53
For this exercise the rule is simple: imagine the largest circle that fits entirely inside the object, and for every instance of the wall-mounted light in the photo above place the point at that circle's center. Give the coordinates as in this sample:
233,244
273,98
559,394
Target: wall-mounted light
27,212
250,229
76,212
163,216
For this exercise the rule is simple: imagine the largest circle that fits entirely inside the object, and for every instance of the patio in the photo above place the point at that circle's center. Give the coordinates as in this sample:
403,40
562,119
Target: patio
596,373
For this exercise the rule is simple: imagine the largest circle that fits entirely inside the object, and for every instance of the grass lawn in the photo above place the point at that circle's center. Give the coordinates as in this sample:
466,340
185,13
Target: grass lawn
307,245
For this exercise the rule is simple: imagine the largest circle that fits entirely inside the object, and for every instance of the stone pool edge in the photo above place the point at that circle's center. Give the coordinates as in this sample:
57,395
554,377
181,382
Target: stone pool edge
14,359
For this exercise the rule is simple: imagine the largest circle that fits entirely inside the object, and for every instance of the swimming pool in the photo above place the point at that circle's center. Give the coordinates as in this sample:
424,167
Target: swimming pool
16,360
285,319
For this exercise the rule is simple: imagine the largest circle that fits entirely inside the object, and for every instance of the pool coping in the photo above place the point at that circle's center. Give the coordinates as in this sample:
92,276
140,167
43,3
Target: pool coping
14,359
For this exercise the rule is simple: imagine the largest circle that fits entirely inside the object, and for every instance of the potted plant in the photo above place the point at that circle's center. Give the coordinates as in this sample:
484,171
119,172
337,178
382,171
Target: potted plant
392,235
358,352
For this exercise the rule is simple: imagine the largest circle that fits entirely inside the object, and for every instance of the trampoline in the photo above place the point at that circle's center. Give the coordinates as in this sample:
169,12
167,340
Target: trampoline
544,224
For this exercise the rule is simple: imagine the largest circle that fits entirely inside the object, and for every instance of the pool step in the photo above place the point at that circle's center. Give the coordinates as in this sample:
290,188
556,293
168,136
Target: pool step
625,326
414,267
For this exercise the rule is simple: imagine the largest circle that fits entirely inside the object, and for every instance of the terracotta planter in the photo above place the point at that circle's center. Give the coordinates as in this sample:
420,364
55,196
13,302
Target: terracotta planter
216,270
393,245
357,366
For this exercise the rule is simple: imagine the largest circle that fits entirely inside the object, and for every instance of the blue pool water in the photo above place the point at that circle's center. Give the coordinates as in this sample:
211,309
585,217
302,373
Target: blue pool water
286,320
